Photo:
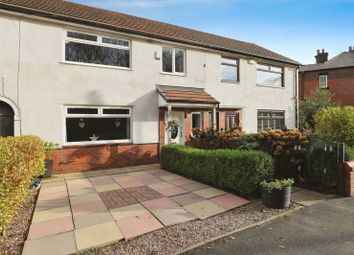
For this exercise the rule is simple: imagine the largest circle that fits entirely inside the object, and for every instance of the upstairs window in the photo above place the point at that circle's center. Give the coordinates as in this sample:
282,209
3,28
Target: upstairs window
270,119
173,60
90,125
95,49
322,80
268,75
229,70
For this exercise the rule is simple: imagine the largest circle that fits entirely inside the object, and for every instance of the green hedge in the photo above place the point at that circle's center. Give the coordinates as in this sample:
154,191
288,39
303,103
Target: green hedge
21,158
236,170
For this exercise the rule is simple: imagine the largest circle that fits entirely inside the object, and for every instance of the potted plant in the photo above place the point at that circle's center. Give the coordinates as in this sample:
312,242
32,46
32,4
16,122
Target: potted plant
49,148
173,126
276,194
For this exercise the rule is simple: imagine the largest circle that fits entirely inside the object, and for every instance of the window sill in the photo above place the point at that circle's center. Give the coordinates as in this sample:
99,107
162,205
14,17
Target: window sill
269,86
96,65
174,74
113,142
230,82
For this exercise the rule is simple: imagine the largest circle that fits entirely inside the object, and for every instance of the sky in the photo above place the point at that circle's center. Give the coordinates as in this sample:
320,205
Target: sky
293,28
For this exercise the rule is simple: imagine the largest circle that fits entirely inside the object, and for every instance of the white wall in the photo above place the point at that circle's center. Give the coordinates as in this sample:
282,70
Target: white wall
46,83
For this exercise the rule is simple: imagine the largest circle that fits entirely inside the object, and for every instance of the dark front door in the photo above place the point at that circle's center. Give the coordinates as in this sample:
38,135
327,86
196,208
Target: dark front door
6,120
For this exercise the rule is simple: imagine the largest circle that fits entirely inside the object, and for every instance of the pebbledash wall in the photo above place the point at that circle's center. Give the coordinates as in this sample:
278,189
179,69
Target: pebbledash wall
340,84
38,80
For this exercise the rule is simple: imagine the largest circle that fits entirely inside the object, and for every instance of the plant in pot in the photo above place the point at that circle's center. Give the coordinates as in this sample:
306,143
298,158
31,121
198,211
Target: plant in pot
49,148
172,126
276,194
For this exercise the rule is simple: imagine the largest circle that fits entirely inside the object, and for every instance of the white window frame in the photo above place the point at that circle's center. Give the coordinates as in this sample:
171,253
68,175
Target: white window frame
323,81
174,61
99,115
97,43
270,71
201,119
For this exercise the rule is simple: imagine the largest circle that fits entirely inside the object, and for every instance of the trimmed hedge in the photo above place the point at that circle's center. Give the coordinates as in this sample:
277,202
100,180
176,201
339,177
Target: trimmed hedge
21,158
236,170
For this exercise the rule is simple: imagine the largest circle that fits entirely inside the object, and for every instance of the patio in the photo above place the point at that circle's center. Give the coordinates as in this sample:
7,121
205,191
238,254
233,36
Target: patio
80,211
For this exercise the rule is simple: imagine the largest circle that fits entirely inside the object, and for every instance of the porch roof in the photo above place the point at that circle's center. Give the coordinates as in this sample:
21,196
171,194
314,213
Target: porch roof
178,94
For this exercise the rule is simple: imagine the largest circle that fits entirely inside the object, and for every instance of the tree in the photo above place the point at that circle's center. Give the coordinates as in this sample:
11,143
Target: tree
336,124
318,100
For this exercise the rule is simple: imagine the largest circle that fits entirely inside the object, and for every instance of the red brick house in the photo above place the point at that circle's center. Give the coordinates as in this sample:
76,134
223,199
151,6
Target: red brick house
335,74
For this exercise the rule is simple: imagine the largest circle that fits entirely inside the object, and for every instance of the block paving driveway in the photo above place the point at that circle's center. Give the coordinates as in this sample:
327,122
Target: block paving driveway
79,211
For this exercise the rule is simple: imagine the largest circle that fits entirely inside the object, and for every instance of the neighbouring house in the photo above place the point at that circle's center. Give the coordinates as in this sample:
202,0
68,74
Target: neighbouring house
103,84
335,75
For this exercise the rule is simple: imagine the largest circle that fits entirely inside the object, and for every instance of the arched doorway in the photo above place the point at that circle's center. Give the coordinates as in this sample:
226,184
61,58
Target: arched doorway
6,119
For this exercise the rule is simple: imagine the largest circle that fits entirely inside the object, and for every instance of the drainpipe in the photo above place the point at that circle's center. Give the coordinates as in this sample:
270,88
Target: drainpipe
169,113
297,107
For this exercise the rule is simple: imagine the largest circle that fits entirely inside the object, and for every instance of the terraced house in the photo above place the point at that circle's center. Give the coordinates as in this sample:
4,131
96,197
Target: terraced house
104,84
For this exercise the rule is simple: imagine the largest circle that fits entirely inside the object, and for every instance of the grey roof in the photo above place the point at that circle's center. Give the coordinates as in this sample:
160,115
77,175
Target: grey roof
78,13
344,59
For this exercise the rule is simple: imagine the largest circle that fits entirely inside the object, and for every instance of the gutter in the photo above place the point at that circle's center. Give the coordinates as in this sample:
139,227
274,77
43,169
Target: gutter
64,18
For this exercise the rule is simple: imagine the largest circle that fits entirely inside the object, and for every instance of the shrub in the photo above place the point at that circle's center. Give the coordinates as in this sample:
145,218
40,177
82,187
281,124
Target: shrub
349,153
239,171
318,100
288,148
215,139
276,184
336,124
21,158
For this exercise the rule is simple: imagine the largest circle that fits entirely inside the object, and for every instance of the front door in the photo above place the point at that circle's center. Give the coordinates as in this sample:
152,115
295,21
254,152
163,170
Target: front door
179,139
6,120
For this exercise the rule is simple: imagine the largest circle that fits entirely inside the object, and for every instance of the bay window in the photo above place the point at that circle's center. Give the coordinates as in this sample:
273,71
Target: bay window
95,49
90,125
270,119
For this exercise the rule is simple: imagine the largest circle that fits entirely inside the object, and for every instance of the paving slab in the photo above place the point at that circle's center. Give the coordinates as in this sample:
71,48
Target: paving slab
161,185
187,199
53,184
52,204
61,244
52,214
309,197
181,181
143,193
209,192
174,191
173,216
97,235
52,195
128,211
95,173
117,198
84,191
91,219
101,179
85,198
55,189
71,176
204,209
229,201
52,227
135,226
88,208
107,187
170,177
152,180
53,178
130,184
194,186
161,203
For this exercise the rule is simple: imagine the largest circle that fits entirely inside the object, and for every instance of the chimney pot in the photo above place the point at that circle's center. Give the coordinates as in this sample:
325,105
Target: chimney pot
350,49
321,56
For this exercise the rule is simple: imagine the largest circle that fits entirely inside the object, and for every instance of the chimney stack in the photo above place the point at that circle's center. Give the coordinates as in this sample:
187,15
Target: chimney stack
321,56
351,48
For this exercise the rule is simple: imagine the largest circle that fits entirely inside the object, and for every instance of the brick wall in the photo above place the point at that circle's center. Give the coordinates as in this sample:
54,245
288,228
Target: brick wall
348,171
340,83
80,159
